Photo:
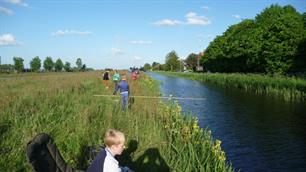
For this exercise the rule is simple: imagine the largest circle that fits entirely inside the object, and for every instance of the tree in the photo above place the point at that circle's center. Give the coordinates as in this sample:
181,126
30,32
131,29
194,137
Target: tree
155,66
147,66
58,65
272,43
6,68
18,64
67,67
172,62
282,32
83,67
35,64
79,63
191,61
48,64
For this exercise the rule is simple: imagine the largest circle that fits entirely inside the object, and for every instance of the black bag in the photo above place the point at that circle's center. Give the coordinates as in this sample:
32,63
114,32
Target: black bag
44,156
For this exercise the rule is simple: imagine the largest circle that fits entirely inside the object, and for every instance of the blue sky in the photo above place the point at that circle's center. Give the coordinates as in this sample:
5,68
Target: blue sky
118,34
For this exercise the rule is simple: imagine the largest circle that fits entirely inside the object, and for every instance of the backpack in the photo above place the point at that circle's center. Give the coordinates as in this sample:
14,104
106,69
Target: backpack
43,155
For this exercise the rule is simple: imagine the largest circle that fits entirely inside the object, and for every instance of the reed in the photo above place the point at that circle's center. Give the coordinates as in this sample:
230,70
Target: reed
287,88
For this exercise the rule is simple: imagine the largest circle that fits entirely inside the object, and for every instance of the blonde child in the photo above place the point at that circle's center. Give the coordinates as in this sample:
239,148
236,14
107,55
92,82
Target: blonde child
105,162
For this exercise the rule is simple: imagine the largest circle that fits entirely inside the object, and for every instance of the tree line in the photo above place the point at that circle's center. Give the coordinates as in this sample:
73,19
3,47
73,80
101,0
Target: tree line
48,65
274,42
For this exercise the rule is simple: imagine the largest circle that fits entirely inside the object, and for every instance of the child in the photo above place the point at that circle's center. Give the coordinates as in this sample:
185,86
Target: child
105,161
123,86
116,78
105,79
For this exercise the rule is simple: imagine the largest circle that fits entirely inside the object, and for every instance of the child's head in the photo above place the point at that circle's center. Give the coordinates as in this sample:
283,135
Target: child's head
114,140
123,77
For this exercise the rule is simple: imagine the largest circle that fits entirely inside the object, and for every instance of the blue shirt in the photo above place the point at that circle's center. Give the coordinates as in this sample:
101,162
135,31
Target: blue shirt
123,86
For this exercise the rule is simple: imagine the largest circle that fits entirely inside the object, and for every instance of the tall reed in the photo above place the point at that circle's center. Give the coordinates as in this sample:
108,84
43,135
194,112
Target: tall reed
287,88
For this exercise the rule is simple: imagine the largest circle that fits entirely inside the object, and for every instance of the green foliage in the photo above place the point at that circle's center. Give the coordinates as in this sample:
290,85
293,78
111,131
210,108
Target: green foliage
18,64
192,61
35,64
67,67
48,64
79,63
147,66
271,44
156,66
6,68
83,67
58,65
172,62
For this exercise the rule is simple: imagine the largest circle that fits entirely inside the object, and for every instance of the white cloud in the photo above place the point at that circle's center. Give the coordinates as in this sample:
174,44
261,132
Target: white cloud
8,39
70,32
116,52
194,19
137,58
6,11
17,2
206,8
141,42
167,22
236,16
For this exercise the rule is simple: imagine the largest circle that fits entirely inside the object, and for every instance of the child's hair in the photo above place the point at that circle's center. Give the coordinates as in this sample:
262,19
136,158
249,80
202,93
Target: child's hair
113,137
123,77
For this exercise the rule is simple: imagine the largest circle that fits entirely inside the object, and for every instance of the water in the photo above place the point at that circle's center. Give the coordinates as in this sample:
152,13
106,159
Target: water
258,133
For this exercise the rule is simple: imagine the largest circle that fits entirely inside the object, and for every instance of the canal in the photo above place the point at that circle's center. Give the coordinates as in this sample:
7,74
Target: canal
258,132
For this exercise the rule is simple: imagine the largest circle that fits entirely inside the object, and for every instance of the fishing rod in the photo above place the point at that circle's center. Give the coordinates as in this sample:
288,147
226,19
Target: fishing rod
157,97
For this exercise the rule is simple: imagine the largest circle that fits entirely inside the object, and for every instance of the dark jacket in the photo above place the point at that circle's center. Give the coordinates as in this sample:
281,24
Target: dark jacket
105,76
98,163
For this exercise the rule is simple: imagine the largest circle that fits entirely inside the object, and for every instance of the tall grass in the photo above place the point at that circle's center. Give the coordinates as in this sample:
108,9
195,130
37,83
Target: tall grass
63,105
287,88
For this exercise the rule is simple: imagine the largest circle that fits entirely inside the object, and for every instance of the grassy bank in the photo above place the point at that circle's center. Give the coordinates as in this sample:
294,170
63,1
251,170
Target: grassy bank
287,88
62,105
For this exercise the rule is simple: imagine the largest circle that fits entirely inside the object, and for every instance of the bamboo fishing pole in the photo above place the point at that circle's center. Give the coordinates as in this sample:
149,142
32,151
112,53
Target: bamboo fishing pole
157,97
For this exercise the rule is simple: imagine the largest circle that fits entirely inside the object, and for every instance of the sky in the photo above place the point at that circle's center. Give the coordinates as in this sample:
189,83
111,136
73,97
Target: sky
118,34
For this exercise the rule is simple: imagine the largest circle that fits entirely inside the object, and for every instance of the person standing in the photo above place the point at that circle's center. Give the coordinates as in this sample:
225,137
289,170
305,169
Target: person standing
124,91
116,78
134,75
106,79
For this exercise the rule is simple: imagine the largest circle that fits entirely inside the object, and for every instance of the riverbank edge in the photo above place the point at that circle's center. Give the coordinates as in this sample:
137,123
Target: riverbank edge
287,88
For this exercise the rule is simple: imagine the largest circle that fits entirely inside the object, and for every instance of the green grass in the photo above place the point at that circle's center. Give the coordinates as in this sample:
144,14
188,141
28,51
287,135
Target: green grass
63,105
287,88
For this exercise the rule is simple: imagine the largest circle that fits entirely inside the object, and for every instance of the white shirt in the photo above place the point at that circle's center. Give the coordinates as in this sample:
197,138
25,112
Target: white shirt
110,163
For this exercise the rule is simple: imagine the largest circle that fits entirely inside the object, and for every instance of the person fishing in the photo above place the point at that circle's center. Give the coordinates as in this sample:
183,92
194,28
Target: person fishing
124,91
